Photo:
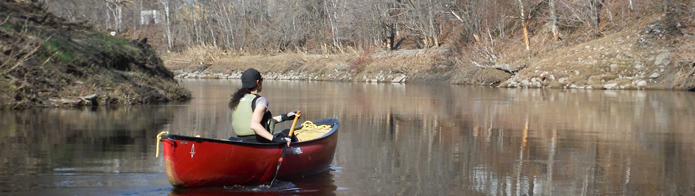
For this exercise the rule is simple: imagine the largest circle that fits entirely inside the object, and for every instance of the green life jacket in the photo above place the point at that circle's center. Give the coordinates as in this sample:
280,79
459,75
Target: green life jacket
241,117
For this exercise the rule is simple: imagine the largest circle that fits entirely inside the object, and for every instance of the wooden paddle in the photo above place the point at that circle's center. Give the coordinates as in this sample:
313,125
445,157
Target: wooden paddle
284,149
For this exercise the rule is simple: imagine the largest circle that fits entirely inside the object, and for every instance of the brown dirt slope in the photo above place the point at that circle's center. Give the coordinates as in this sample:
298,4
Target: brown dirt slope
644,55
47,62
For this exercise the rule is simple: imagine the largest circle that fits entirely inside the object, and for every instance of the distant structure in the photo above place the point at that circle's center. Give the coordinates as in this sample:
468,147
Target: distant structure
151,17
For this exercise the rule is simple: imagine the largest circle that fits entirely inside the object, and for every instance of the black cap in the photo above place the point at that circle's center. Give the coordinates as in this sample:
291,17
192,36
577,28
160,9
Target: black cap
249,77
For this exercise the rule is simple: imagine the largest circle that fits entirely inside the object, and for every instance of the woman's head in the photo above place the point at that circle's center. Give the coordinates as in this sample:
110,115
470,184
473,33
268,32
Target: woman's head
251,79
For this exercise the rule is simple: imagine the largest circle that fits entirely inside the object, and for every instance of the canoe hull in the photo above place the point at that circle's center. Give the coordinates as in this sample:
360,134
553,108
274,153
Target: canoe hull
195,162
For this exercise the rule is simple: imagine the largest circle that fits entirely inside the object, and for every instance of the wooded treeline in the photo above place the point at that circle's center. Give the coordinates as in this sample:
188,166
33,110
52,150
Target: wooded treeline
308,25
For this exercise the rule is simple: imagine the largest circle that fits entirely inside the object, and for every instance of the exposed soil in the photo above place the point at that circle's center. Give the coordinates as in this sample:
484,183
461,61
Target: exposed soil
48,62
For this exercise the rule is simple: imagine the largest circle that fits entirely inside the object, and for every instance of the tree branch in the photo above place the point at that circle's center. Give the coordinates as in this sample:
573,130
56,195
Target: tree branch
503,67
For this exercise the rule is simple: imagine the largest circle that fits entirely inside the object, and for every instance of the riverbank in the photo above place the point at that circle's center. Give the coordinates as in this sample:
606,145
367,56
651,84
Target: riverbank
645,55
46,61
355,66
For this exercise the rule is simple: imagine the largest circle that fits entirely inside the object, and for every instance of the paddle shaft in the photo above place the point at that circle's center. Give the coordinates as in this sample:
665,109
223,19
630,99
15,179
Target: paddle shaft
284,148
296,117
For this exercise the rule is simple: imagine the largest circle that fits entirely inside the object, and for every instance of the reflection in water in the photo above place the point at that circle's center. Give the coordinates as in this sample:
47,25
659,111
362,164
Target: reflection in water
394,140
76,148
320,184
431,139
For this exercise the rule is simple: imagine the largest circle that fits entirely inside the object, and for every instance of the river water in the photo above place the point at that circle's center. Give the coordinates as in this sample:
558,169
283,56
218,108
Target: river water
414,139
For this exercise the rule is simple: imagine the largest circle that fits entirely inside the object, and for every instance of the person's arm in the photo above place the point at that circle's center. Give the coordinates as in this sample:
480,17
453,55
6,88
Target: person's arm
285,117
256,125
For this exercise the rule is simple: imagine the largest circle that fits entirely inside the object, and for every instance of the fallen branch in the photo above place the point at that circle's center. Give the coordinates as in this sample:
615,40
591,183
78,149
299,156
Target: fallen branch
457,16
503,67
24,58
6,19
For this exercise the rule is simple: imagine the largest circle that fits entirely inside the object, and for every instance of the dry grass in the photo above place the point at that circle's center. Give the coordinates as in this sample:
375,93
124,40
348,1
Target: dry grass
350,65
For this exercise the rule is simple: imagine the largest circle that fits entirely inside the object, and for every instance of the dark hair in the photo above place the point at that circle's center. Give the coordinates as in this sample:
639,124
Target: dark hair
236,97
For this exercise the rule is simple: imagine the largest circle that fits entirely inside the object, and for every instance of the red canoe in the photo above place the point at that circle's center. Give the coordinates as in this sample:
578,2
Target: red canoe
195,162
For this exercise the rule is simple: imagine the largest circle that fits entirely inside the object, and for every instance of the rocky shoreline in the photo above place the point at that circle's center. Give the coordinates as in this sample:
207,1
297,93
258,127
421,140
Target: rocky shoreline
292,75
545,80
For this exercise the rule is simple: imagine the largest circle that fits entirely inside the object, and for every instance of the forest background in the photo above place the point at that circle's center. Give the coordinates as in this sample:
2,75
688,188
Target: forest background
594,44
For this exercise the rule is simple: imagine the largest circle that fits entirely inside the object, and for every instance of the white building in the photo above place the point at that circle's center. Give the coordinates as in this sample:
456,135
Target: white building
151,17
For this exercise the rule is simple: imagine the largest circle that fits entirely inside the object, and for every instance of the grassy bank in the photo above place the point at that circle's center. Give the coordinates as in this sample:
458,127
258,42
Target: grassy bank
48,62
365,65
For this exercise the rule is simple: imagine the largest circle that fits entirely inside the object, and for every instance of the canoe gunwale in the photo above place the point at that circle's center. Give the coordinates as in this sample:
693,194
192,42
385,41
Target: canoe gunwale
327,121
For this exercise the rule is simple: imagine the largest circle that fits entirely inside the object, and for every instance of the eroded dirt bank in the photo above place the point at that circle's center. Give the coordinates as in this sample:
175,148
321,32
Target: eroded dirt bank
48,62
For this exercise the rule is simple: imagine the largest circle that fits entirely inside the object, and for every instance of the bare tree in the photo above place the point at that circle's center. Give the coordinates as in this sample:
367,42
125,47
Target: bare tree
596,6
280,25
553,20
524,23
116,8
419,16
167,22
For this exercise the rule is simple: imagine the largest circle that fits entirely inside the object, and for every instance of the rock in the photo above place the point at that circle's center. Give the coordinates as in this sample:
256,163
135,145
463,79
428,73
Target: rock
536,84
613,66
573,86
661,59
562,80
610,86
589,87
641,83
525,83
398,79
89,97
639,66
654,76
512,84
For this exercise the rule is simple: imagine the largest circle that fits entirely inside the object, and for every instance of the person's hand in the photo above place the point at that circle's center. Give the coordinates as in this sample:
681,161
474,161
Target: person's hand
289,115
282,140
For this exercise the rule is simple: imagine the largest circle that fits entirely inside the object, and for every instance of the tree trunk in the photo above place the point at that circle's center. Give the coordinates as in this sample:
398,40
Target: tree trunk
195,24
140,13
553,20
524,24
108,21
119,19
168,24
109,14
332,17
212,34
596,6
629,5
433,32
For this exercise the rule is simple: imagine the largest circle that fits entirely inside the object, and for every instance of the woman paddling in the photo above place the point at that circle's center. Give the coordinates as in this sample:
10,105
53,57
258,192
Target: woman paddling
251,119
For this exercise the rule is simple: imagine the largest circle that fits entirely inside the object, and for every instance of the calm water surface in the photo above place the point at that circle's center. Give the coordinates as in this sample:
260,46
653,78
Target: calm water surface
393,140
